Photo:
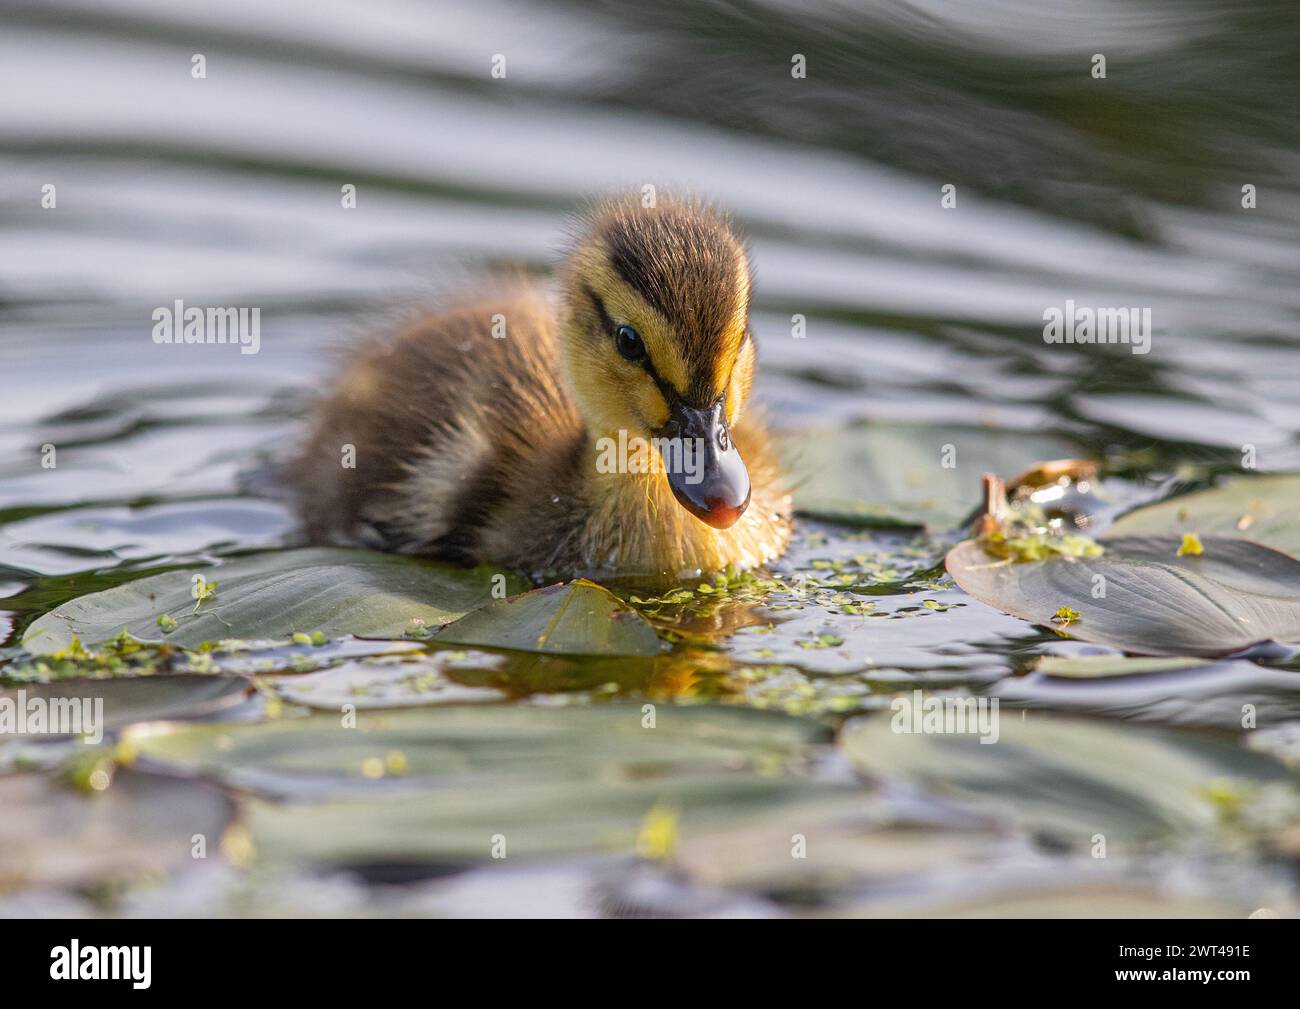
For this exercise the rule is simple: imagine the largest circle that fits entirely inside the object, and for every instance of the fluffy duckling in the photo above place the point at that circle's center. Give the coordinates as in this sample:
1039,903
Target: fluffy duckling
603,435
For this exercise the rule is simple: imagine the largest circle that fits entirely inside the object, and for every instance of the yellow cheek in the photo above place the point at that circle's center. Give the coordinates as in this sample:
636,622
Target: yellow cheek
620,398
742,379
650,403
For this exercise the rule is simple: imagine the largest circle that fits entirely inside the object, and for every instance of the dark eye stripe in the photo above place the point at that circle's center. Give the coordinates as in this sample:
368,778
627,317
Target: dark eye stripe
606,322
669,394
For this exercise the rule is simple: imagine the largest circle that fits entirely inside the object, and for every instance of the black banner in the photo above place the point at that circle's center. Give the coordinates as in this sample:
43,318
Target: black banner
337,958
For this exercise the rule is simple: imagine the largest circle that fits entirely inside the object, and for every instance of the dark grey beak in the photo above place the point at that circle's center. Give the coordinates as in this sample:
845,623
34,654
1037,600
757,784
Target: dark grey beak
705,470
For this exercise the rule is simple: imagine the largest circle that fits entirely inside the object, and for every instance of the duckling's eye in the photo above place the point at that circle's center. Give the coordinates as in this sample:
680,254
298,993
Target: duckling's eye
629,343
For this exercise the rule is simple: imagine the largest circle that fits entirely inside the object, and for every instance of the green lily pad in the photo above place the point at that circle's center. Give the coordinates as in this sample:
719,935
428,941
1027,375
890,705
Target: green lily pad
1088,895
1259,508
1071,779
321,753
854,842
122,701
272,596
141,825
1230,695
449,778
1234,595
462,824
1280,741
1092,667
896,475
580,618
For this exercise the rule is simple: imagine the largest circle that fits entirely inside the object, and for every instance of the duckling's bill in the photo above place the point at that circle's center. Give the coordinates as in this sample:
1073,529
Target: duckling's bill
705,472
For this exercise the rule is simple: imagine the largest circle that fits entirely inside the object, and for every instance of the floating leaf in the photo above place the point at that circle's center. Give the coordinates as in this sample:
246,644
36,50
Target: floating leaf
1191,546
140,825
1258,508
327,753
1090,667
547,779
1232,695
1070,778
854,846
1093,891
895,475
1281,741
1141,597
460,822
127,699
271,596
580,618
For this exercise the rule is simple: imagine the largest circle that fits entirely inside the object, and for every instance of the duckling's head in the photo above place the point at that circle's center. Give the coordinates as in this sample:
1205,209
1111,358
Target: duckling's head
656,342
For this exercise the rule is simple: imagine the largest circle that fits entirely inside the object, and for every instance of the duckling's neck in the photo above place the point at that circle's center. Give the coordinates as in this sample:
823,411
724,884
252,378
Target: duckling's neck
636,526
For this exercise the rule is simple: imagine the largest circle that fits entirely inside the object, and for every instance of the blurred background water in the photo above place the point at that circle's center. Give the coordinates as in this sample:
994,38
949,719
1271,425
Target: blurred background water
1122,191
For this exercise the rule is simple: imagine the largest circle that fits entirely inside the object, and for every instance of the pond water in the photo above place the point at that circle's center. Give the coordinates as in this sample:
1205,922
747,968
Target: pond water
923,332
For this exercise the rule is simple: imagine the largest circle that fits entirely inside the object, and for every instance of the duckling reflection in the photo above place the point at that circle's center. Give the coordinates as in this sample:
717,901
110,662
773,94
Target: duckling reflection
683,673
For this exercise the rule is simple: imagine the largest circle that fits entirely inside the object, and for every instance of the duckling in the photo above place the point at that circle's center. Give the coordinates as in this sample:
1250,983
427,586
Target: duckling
603,432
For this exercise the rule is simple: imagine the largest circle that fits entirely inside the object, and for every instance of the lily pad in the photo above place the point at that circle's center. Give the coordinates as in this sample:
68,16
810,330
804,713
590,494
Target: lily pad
122,701
1087,892
891,475
1232,695
1092,667
451,778
272,596
1280,741
138,826
406,748
1069,779
546,816
860,843
580,618
1234,595
1265,509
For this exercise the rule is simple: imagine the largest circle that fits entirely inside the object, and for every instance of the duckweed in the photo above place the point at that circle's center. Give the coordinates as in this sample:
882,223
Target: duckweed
1064,616
202,591
658,837
1039,546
